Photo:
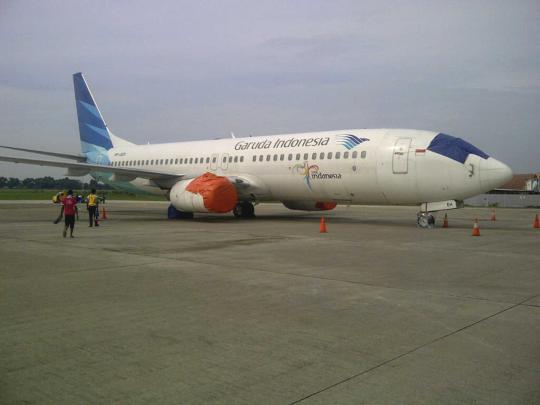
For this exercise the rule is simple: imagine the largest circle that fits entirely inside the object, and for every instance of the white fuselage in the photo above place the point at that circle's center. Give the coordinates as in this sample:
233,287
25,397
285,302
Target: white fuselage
392,166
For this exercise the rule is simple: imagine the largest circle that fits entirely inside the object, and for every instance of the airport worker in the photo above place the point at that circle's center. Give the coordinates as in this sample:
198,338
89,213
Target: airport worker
69,210
92,206
58,197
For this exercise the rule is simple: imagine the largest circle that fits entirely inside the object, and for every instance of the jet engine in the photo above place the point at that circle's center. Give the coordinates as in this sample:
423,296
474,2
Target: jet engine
206,193
310,205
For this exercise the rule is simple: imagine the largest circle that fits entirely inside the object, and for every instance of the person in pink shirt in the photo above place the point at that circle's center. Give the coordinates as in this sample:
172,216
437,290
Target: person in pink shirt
69,210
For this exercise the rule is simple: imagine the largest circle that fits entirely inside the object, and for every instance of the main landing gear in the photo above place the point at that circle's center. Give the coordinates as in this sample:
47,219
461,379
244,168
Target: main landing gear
425,220
173,213
244,209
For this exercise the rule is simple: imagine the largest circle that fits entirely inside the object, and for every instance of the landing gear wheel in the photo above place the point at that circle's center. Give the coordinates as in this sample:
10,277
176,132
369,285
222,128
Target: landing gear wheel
173,213
244,210
425,220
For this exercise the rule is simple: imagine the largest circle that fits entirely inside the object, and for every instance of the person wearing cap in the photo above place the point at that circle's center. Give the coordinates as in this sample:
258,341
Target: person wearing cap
69,210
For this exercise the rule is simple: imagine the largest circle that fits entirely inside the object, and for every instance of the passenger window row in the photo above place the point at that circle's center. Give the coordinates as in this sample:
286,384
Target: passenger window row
177,161
239,159
305,156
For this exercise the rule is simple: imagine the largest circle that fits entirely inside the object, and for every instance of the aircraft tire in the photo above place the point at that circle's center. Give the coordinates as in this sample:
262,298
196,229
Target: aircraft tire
244,209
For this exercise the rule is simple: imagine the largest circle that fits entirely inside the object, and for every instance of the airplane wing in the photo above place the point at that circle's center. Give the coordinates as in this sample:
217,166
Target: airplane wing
78,158
163,180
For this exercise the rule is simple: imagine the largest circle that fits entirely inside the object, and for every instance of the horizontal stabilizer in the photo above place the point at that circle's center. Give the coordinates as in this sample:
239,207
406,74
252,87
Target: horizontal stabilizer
78,158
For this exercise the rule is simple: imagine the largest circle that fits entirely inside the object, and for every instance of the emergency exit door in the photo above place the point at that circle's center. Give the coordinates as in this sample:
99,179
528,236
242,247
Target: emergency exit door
400,159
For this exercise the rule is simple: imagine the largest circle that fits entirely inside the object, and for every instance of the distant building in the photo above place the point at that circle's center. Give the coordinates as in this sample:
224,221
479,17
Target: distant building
523,190
522,182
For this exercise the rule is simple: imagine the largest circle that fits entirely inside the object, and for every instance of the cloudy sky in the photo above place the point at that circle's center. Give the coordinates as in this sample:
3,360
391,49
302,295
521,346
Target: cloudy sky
184,70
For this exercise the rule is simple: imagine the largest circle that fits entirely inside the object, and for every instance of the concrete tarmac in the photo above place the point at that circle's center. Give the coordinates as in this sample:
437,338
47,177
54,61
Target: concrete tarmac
269,311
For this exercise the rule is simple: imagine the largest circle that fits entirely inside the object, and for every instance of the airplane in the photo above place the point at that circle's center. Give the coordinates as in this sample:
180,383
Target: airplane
312,171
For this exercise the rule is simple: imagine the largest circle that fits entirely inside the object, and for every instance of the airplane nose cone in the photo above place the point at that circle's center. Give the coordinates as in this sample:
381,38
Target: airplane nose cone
494,174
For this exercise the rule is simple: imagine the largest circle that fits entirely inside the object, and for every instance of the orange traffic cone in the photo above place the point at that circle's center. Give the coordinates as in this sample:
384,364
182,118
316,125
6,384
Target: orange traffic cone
103,213
536,223
476,228
322,226
445,223
493,217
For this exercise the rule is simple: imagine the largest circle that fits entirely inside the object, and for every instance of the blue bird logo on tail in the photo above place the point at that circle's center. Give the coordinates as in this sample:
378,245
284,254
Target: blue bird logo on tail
349,141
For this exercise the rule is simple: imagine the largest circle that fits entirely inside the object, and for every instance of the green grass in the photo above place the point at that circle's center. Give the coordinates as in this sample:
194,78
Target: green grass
23,194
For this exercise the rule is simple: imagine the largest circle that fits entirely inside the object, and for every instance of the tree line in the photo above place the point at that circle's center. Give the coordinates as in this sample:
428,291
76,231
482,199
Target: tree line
50,183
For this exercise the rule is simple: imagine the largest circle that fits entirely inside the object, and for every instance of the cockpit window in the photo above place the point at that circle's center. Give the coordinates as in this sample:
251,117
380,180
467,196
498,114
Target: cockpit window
454,148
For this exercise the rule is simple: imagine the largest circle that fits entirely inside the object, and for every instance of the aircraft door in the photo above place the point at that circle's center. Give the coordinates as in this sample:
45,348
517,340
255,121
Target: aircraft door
214,161
400,158
224,161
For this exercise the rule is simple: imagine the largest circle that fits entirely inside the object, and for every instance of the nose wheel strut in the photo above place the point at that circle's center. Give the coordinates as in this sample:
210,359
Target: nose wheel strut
425,220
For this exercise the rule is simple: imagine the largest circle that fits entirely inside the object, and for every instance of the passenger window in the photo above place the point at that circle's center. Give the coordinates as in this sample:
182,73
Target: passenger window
345,155
338,155
306,156
363,154
207,160
298,156
275,158
254,158
152,161
329,156
290,156
268,158
147,163
230,159
261,157
166,161
236,159
161,161
181,160
313,156
354,154
214,159
224,159
241,158
281,157
190,161
321,155
176,161
196,160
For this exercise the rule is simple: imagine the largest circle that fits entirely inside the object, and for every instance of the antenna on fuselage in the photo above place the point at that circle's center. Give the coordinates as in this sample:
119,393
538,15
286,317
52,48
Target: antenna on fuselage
232,135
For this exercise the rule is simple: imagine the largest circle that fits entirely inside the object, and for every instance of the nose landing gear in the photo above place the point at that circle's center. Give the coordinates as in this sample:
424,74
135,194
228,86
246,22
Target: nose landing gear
425,220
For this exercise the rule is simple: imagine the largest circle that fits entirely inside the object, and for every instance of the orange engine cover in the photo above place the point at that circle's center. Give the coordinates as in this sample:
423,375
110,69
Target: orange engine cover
218,194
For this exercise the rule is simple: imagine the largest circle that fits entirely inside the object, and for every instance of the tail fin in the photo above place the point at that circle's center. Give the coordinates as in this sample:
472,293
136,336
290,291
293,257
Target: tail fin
94,134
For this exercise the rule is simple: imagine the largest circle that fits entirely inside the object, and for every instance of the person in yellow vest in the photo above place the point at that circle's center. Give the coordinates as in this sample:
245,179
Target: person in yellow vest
92,206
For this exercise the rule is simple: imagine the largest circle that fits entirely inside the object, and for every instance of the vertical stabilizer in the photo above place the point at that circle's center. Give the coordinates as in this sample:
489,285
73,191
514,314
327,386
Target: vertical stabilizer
94,134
